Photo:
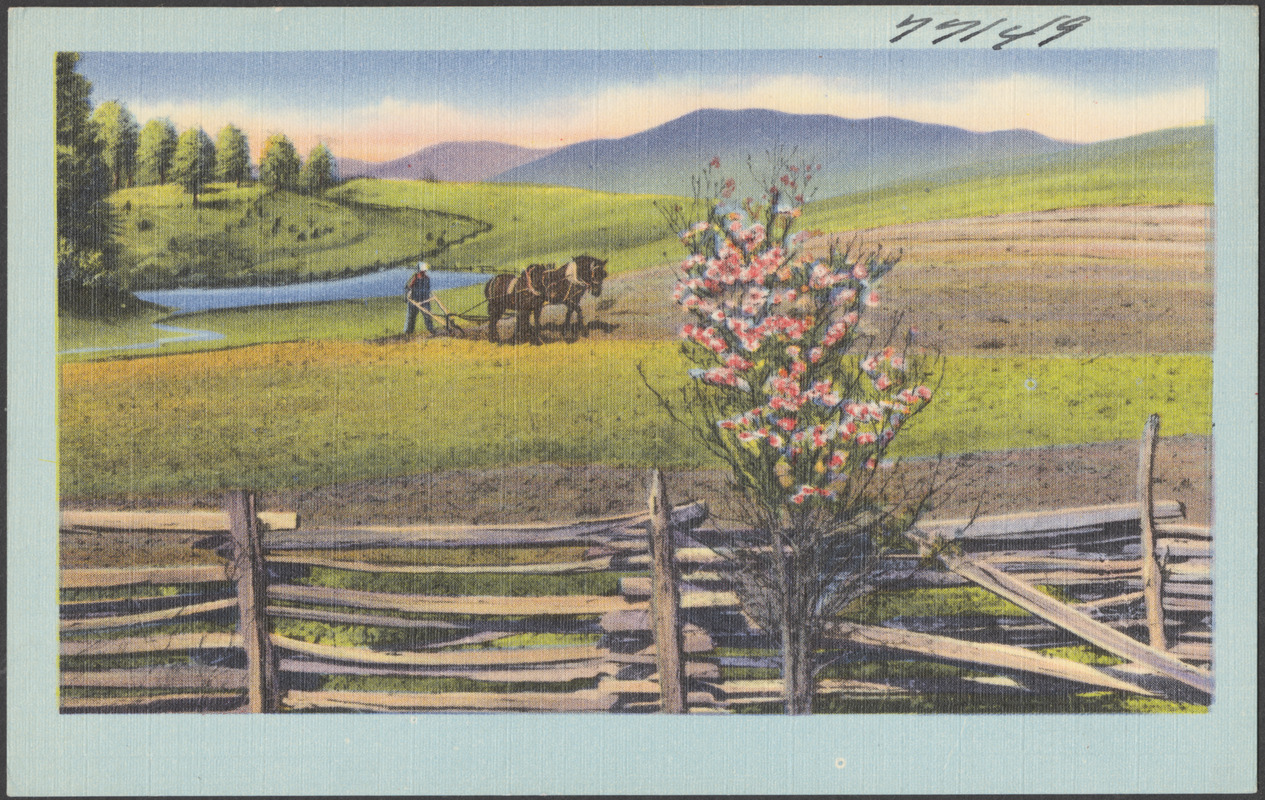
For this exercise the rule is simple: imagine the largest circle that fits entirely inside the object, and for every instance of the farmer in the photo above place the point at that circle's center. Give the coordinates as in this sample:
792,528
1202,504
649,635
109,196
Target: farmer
417,293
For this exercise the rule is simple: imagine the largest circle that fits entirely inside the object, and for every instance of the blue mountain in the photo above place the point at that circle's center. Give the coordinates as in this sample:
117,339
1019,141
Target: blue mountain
855,154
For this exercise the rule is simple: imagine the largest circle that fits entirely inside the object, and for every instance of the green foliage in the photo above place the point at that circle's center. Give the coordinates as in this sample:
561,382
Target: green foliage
193,164
457,584
233,237
118,132
957,601
123,661
317,173
279,166
141,590
85,222
386,683
232,156
980,703
1084,654
155,149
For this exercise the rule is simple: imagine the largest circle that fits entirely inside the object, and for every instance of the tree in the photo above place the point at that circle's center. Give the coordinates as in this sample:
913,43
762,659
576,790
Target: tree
801,403
193,162
156,146
118,132
232,156
318,172
85,223
279,166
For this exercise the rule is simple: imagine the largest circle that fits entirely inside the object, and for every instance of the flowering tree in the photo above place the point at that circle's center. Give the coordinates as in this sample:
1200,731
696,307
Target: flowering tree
801,404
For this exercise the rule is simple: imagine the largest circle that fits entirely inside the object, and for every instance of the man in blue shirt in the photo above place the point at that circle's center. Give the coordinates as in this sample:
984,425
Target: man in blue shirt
417,294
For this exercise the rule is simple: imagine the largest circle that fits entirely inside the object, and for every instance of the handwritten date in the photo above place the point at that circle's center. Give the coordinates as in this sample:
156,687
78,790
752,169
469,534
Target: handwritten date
1062,26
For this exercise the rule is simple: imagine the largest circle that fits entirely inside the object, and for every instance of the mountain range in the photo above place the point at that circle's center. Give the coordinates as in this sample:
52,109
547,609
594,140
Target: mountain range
854,154
447,161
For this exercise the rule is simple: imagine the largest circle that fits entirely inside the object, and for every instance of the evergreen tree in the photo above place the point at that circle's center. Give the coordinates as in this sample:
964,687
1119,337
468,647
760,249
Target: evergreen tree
232,156
318,171
279,166
85,224
157,144
193,163
118,132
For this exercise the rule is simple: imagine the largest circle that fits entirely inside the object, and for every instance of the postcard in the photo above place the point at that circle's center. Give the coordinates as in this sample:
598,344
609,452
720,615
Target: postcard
723,400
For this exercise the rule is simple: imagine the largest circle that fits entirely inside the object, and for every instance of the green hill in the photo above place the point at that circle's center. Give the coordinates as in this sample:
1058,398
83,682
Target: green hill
239,236
1173,166
532,224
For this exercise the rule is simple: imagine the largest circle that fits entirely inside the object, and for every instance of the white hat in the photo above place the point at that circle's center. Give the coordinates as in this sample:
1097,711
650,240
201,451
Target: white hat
423,266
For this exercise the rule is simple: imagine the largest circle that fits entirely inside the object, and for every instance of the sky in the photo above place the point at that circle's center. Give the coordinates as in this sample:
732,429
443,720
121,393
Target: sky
380,105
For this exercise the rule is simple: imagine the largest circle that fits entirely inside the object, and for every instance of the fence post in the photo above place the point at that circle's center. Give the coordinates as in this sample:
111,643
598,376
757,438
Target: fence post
1152,579
665,602
252,601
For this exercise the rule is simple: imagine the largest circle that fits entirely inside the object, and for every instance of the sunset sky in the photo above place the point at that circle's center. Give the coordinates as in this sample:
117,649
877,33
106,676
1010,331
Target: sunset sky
379,105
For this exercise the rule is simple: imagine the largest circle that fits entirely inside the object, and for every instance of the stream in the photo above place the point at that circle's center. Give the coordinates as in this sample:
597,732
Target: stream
386,283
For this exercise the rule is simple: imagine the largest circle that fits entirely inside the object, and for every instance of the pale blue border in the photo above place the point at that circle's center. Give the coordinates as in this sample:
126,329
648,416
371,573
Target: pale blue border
533,754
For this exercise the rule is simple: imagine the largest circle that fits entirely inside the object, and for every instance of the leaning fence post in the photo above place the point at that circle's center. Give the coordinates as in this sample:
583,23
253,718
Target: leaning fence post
252,601
1152,579
665,602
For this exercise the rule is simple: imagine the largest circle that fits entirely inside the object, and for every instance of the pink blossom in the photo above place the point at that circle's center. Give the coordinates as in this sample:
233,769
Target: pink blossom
882,382
859,271
866,437
923,392
871,298
786,424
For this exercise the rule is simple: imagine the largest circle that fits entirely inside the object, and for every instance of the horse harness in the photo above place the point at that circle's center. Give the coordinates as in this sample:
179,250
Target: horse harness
575,285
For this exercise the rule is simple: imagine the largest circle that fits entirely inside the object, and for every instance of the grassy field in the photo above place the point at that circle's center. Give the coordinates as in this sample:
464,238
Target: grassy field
1161,168
533,224
246,235
318,413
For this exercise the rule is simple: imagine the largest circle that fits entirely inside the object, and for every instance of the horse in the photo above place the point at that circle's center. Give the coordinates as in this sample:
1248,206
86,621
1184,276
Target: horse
565,285
523,294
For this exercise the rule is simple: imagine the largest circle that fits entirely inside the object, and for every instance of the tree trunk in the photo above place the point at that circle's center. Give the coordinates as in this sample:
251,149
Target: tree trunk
797,672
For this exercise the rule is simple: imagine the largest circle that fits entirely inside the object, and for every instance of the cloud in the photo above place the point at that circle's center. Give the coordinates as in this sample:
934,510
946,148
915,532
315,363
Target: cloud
392,127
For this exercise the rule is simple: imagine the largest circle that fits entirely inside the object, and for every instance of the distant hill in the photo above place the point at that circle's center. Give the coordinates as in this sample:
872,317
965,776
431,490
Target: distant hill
1167,167
855,154
448,161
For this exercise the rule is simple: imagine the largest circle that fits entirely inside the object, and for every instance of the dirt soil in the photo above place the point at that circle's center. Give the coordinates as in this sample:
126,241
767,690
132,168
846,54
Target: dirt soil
1001,482
1086,281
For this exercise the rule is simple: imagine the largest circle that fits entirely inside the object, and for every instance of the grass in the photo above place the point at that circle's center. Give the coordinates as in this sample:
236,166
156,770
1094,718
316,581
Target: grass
247,236
457,584
318,413
1161,168
533,224
1009,703
374,683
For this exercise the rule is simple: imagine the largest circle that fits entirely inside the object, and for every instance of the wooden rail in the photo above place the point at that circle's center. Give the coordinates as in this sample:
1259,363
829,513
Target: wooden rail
1096,553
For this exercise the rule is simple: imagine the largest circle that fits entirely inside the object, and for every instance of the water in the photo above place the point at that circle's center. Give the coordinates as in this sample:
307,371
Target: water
387,283
187,335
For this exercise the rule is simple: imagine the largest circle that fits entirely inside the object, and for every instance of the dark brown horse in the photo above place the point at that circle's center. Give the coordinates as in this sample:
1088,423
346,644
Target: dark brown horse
539,285
524,294
565,285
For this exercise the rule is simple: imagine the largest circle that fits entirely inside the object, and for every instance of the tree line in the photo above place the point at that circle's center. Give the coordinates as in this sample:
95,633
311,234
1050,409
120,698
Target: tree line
155,155
102,150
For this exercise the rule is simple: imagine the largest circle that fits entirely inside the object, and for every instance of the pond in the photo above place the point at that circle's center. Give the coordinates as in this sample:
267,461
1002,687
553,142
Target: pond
386,283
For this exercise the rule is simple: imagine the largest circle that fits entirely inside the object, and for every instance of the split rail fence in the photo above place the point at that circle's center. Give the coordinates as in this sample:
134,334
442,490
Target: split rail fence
1135,581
